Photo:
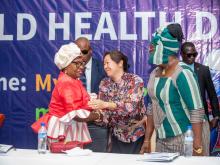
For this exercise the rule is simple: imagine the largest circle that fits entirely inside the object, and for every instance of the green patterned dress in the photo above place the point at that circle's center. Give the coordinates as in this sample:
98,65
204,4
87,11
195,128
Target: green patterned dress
176,103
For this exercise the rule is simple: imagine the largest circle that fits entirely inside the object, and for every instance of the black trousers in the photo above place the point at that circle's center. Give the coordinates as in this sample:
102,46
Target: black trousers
99,137
126,148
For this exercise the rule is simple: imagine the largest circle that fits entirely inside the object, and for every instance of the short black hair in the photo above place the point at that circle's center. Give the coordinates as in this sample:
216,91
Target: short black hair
175,30
185,45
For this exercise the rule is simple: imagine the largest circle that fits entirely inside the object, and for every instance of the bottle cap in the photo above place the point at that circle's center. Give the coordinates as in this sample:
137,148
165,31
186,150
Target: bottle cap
189,127
42,124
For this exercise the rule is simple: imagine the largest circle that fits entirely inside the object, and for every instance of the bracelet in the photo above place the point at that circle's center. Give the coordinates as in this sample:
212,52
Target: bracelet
198,150
99,117
146,141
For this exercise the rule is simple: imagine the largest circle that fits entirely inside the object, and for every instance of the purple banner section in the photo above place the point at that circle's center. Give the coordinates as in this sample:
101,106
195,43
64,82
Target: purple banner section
32,31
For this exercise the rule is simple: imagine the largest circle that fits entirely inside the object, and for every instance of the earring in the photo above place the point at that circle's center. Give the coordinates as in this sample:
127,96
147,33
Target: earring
163,72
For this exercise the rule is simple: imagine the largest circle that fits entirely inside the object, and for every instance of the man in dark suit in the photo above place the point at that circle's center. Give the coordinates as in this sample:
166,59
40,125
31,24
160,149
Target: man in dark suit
189,53
94,73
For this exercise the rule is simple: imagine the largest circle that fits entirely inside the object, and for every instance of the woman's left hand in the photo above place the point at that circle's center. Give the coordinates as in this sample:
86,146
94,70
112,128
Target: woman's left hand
97,104
197,154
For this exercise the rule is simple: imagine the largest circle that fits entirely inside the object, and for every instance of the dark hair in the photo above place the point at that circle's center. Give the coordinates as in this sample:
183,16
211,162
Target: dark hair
186,44
117,56
175,30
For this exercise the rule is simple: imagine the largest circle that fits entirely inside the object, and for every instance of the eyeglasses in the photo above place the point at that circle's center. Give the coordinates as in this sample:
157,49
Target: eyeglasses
78,64
85,52
189,55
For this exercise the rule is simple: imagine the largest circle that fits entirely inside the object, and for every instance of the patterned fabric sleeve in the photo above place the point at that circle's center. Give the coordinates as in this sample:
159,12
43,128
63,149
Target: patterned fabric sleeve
133,99
131,102
189,91
103,97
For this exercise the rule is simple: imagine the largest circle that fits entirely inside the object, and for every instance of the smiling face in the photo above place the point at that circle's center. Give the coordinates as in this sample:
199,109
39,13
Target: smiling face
189,54
75,68
111,67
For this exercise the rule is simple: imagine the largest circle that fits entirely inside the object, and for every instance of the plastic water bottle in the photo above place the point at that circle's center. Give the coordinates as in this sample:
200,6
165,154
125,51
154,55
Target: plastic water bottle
42,139
188,142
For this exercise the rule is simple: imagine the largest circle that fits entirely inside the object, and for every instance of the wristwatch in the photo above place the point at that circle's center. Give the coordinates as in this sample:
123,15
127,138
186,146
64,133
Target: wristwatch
198,150
99,116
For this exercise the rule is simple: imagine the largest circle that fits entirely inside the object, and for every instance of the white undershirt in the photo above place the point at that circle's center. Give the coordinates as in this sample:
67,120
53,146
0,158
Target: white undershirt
88,72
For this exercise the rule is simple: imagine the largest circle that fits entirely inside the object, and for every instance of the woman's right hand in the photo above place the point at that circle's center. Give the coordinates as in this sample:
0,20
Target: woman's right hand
146,147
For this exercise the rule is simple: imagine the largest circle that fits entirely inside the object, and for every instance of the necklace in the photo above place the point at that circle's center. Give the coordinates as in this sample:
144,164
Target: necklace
171,66
163,72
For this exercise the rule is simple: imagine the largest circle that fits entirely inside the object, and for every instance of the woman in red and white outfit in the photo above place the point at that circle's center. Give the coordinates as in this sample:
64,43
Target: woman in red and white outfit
68,108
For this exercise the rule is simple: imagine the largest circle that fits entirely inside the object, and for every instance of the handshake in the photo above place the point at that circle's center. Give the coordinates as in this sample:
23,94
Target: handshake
98,104
95,103
97,107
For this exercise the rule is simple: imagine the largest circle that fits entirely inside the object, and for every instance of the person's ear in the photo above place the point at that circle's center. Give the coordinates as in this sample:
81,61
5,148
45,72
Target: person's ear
121,64
90,50
65,71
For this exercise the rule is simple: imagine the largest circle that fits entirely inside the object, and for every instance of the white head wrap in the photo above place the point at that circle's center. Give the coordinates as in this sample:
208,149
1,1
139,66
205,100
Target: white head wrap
66,54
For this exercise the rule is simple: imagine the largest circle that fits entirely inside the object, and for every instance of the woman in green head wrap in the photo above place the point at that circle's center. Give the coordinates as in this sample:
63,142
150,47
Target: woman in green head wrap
175,98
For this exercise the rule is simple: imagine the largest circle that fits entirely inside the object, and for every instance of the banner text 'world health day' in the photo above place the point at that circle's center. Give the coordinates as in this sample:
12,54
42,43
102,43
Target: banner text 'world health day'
84,20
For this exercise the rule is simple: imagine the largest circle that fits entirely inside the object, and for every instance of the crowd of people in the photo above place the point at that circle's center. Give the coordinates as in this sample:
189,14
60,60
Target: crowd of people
101,104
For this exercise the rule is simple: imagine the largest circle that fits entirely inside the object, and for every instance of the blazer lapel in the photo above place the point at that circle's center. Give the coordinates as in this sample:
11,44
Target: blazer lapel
198,72
196,69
